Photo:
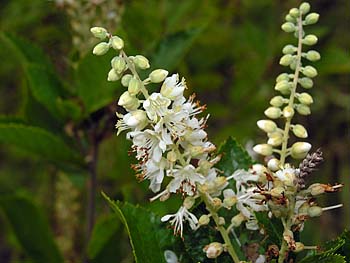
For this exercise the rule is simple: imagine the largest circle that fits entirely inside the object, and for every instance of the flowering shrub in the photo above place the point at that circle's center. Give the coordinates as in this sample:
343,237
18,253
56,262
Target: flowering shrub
227,198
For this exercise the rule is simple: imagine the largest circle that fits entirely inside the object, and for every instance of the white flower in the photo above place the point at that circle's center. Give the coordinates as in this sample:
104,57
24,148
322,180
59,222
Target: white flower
178,218
185,179
156,106
135,120
287,176
171,88
243,177
154,171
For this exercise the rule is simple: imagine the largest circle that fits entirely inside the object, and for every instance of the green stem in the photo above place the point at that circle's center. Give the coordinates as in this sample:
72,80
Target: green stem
221,228
292,94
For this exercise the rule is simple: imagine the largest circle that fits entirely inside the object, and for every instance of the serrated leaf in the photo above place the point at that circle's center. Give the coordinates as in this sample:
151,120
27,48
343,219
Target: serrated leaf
149,238
31,228
272,226
328,258
234,157
38,141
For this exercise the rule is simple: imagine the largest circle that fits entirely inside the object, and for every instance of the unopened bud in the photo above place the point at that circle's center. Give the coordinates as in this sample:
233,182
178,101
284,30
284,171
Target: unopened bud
294,12
189,202
213,250
277,191
237,220
171,156
118,64
100,49
204,220
310,40
216,202
273,164
305,98
117,42
275,139
306,83
273,112
286,60
128,102
311,18
288,27
263,149
299,131
309,71
158,75
283,86
141,62
277,101
289,49
134,86
299,150
99,32
282,76
289,18
288,112
304,8
314,211
298,247
267,125
126,79
221,221
136,119
303,109
113,75
317,189
313,55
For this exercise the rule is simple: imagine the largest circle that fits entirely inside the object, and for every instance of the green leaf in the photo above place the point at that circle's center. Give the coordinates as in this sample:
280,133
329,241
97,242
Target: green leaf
38,141
234,157
31,228
171,50
273,228
328,258
149,238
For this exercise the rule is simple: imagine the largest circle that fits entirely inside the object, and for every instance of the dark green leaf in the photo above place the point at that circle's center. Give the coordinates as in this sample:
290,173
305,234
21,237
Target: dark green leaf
327,258
31,228
234,157
272,226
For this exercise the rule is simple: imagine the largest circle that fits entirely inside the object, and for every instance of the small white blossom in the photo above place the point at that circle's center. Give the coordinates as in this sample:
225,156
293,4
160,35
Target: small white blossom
156,106
171,88
287,176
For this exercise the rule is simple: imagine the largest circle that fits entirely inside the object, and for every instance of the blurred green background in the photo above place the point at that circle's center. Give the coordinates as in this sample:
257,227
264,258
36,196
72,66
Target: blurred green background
59,149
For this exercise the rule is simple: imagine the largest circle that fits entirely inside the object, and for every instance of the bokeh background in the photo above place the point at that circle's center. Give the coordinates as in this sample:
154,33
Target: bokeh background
51,86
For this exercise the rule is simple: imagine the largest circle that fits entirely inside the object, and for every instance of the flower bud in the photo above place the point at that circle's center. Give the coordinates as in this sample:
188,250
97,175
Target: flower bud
305,98
118,64
189,202
277,101
273,164
288,112
317,189
273,112
267,125
300,149
237,220
229,202
126,79
100,49
171,156
216,202
303,109
213,250
134,86
299,131
117,42
99,32
304,8
113,75
283,86
310,40
136,119
288,27
313,55
289,18
289,49
311,18
275,139
309,71
282,76
158,75
306,83
314,211
286,60
304,208
263,149
128,102
294,12
298,247
141,62
277,191
204,220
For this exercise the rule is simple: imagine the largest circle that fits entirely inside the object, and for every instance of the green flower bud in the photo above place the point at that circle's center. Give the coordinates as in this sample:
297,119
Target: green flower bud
305,98
288,112
263,149
282,76
189,202
99,32
277,191
213,250
100,49
134,86
126,79
299,131
286,60
304,8
158,75
277,101
289,18
267,125
311,18
118,63
204,220
284,86
303,109
273,164
275,139
298,247
299,150
273,112
141,62
237,220
294,12
309,71
113,75
313,55
289,49
128,101
310,40
117,42
303,208
306,83
171,156
314,211
288,27
317,189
